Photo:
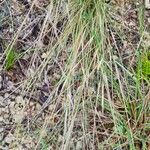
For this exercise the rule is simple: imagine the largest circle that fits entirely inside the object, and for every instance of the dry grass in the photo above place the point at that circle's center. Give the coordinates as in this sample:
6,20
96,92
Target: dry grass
78,64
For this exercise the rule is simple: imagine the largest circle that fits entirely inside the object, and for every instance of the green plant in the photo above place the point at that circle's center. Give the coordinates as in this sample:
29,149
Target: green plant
144,66
11,58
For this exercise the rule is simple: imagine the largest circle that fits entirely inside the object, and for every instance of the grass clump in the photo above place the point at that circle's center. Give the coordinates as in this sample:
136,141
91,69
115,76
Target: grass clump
146,64
143,69
94,100
11,58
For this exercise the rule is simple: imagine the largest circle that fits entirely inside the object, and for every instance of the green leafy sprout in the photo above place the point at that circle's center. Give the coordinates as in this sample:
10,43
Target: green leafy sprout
144,65
11,58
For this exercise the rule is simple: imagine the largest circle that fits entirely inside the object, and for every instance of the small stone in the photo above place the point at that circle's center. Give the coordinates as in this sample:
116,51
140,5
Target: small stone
2,109
60,138
44,55
1,98
31,103
38,106
57,76
18,117
12,104
40,44
11,30
6,116
131,23
1,119
9,138
51,107
13,96
115,57
8,101
1,101
20,100
26,56
1,79
7,78
147,4
1,112
6,109
10,85
148,20
6,95
1,130
30,72
79,145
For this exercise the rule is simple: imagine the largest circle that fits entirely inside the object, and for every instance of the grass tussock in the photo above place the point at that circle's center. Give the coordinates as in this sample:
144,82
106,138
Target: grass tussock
88,53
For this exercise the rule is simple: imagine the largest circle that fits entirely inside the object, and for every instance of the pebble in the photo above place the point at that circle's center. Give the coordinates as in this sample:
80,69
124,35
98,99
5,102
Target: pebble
19,100
30,72
44,55
13,96
18,117
1,98
6,116
12,104
147,4
1,101
1,130
5,110
148,20
1,119
26,56
115,57
51,107
10,85
60,138
1,78
38,106
79,145
6,95
9,138
32,103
